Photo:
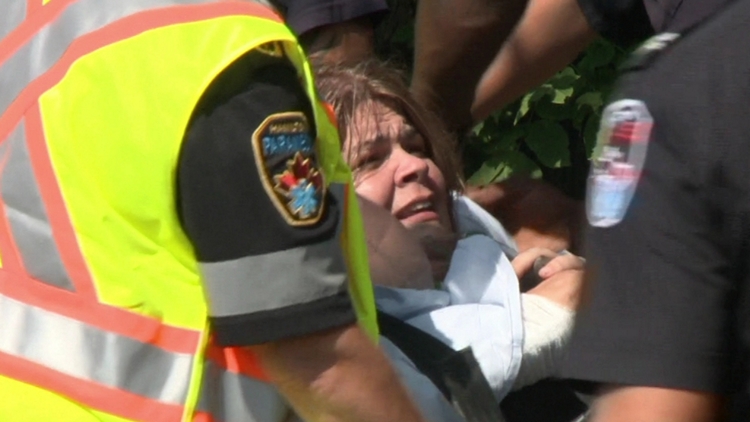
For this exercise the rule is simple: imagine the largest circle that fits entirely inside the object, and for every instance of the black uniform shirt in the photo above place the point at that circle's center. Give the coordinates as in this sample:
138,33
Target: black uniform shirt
269,254
669,203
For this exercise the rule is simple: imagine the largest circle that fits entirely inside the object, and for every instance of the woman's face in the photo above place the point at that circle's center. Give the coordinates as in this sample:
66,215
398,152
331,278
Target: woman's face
393,169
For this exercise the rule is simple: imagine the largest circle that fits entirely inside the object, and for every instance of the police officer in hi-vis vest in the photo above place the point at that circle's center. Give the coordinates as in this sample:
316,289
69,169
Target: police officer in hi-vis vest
178,236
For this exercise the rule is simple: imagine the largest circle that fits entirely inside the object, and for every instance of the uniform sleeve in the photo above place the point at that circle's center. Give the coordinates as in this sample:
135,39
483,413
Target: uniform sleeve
305,15
252,201
624,22
658,309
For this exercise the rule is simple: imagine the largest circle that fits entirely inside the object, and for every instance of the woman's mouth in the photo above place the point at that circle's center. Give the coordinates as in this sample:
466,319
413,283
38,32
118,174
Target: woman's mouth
418,212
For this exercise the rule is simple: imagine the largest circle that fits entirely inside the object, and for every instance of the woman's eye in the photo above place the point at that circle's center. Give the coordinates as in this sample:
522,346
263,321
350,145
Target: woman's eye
369,161
418,151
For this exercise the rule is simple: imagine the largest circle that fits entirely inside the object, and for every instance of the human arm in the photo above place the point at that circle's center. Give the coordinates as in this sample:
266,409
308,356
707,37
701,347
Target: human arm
651,404
549,36
336,375
275,275
454,42
461,70
536,213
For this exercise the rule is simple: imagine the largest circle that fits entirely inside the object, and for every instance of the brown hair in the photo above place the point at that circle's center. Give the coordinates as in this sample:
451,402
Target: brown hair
347,87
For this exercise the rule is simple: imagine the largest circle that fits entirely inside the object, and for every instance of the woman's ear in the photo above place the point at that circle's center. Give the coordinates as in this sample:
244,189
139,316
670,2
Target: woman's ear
396,256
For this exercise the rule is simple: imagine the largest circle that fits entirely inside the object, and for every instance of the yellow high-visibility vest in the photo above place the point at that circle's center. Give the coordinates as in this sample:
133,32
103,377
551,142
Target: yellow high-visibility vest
95,98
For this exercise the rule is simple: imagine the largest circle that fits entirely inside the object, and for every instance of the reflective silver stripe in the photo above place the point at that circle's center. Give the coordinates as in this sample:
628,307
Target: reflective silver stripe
27,215
231,397
83,351
276,279
12,13
46,47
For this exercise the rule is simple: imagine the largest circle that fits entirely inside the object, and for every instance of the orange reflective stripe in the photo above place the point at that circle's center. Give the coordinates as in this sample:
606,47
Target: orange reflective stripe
27,215
120,321
235,359
229,396
233,384
32,6
201,416
97,396
62,228
24,32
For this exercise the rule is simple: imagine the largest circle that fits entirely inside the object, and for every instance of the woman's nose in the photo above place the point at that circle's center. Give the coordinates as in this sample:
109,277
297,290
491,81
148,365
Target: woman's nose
410,167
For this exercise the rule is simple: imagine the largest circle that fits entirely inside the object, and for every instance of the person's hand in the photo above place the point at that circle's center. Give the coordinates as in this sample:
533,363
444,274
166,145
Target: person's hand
525,261
564,288
535,265
535,212
563,262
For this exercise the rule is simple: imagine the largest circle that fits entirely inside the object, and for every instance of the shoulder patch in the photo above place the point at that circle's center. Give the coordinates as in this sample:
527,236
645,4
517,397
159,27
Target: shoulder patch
286,159
618,160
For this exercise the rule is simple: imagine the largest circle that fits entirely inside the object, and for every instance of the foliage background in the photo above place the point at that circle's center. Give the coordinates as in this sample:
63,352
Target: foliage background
549,133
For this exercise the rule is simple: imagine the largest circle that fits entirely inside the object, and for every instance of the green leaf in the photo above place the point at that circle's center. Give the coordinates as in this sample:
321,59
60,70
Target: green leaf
597,55
549,142
590,132
561,95
507,141
518,164
487,173
531,98
524,107
563,79
478,128
590,99
547,109
503,166
568,71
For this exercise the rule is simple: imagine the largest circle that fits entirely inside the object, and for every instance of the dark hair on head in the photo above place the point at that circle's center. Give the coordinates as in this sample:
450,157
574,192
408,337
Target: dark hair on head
374,81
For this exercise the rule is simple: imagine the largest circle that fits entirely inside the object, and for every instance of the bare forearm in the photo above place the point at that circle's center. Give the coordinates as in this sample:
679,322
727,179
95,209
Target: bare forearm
549,36
455,41
651,404
338,375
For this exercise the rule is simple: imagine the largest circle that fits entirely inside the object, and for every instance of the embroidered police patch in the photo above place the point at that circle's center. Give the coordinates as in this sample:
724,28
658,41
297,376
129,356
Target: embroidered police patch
618,161
285,156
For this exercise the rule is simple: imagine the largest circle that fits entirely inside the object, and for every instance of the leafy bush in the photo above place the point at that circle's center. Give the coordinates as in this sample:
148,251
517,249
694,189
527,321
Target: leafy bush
551,131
